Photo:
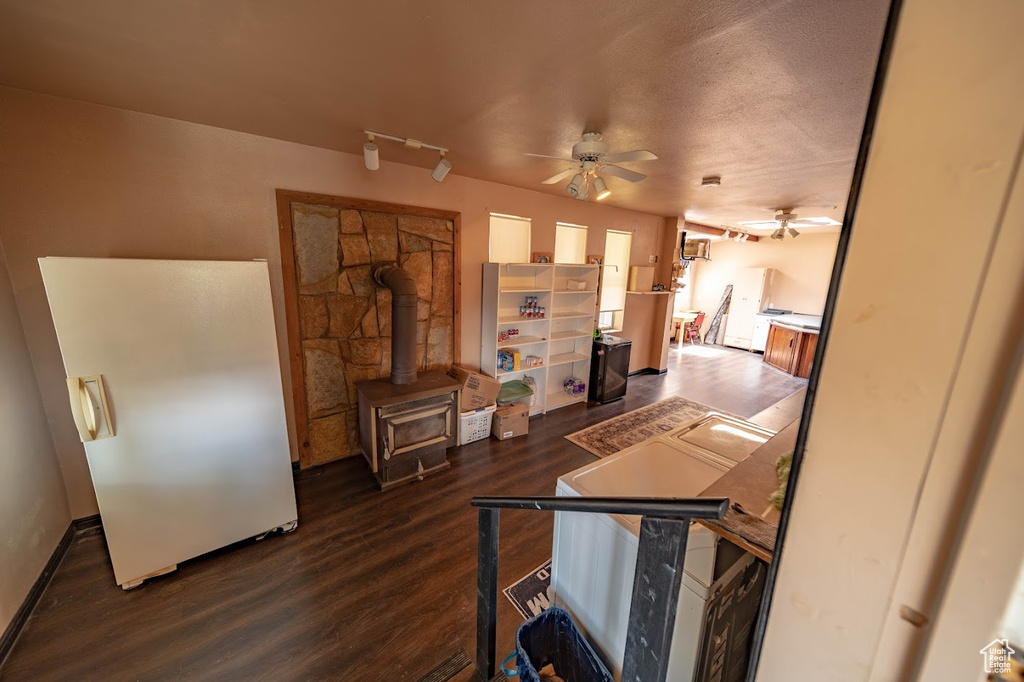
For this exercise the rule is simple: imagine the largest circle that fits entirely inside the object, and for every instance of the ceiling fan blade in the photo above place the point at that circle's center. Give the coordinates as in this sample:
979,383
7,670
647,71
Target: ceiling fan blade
560,176
546,156
624,173
635,155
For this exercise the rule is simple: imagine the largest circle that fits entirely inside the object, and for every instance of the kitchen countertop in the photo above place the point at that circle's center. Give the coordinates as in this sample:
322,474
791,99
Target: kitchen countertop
798,322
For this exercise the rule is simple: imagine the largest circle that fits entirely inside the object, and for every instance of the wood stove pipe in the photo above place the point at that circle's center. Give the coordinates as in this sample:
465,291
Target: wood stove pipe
403,320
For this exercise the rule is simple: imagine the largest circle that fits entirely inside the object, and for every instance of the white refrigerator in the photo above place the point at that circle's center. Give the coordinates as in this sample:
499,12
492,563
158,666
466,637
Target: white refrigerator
174,382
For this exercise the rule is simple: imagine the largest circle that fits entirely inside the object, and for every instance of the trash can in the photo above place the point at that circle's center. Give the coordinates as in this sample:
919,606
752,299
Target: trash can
552,638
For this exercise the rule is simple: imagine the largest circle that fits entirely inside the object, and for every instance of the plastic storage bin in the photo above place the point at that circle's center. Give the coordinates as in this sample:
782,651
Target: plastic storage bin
475,425
552,638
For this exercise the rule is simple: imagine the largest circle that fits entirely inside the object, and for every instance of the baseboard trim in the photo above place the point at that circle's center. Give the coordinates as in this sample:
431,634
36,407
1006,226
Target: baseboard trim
90,525
648,370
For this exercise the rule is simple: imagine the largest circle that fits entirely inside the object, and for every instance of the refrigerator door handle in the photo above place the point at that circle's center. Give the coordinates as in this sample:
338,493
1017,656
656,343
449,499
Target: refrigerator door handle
89,407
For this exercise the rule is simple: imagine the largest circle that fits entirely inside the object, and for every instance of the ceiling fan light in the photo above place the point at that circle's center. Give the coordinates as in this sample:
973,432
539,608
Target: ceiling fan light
371,157
793,233
441,169
778,234
576,185
601,190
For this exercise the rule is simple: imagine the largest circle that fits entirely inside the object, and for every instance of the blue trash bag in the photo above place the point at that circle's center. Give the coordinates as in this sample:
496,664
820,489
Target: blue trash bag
552,638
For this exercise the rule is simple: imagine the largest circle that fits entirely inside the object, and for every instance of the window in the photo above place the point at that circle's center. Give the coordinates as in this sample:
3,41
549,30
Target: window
570,243
613,278
509,239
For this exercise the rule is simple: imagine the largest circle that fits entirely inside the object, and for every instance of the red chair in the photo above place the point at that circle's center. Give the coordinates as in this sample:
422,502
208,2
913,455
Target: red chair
691,330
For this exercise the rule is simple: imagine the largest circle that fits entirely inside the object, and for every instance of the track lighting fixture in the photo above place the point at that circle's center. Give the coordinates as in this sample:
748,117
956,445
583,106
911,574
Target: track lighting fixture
726,234
441,169
601,189
745,236
738,238
371,156
577,187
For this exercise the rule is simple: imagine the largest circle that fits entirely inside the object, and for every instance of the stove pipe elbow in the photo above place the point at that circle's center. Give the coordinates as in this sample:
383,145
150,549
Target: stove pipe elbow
403,320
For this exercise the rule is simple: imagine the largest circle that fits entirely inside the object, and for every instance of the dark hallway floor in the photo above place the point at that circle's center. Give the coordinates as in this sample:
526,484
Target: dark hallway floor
370,586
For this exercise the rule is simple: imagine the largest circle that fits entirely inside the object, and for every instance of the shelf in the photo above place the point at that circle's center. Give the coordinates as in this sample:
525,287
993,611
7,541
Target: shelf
570,315
521,320
581,291
561,399
521,341
519,290
563,336
566,358
503,373
649,293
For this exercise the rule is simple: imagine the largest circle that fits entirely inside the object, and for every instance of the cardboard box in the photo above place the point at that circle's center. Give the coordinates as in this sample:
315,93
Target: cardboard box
641,278
478,390
510,421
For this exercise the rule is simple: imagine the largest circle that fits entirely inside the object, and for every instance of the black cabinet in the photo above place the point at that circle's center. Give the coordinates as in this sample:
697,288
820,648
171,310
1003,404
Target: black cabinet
609,369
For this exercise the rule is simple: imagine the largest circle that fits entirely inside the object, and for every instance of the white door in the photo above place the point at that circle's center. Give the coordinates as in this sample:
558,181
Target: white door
188,355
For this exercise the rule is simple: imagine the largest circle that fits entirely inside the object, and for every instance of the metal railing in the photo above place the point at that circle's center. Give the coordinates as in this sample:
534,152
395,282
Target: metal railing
659,570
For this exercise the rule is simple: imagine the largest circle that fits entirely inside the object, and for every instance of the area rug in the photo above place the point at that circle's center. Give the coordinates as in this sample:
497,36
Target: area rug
620,432
530,594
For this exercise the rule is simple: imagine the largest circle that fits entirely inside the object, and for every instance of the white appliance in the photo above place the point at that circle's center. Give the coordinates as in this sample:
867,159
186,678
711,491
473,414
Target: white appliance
175,385
594,555
762,325
751,293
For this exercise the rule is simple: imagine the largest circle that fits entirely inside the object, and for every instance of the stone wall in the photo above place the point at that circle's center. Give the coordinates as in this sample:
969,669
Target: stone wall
345,319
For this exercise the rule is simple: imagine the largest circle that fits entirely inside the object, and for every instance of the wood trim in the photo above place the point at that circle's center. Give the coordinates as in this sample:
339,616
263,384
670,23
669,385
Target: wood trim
365,204
89,525
714,231
291,309
457,293
285,198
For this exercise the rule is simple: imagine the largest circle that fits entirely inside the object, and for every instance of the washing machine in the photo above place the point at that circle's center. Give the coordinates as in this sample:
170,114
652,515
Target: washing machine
594,555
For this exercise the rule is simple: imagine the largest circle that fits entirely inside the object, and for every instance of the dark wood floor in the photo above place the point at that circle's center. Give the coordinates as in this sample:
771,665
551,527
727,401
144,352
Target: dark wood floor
370,586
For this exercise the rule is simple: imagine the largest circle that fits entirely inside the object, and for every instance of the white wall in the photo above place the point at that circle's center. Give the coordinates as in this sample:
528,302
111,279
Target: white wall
33,505
886,401
803,267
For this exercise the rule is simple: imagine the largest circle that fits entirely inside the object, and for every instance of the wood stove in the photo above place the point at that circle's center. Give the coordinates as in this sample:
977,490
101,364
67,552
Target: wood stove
406,430
407,421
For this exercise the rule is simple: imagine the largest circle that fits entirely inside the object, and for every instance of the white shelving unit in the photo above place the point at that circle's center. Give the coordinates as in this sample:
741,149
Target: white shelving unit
562,338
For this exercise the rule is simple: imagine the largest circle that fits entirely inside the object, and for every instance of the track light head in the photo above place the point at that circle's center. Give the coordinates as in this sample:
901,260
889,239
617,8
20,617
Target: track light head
601,190
441,169
726,234
745,237
371,157
577,186
739,238
793,233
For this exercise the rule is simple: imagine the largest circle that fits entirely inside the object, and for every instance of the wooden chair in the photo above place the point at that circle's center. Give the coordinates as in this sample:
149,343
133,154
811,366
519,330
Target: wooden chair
691,330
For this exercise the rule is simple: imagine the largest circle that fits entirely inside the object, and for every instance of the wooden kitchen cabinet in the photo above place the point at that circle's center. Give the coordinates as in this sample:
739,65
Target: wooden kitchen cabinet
790,350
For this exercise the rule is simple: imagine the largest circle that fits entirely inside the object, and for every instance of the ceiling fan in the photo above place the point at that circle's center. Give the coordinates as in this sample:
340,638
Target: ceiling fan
590,157
787,221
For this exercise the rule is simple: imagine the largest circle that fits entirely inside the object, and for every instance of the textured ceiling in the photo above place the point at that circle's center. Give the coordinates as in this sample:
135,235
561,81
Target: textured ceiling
769,95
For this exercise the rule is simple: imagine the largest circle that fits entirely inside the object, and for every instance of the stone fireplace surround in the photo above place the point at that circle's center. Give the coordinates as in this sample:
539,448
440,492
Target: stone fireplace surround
340,321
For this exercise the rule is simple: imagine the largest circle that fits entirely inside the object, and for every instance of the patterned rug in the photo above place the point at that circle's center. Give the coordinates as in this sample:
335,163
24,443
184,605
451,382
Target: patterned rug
620,432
